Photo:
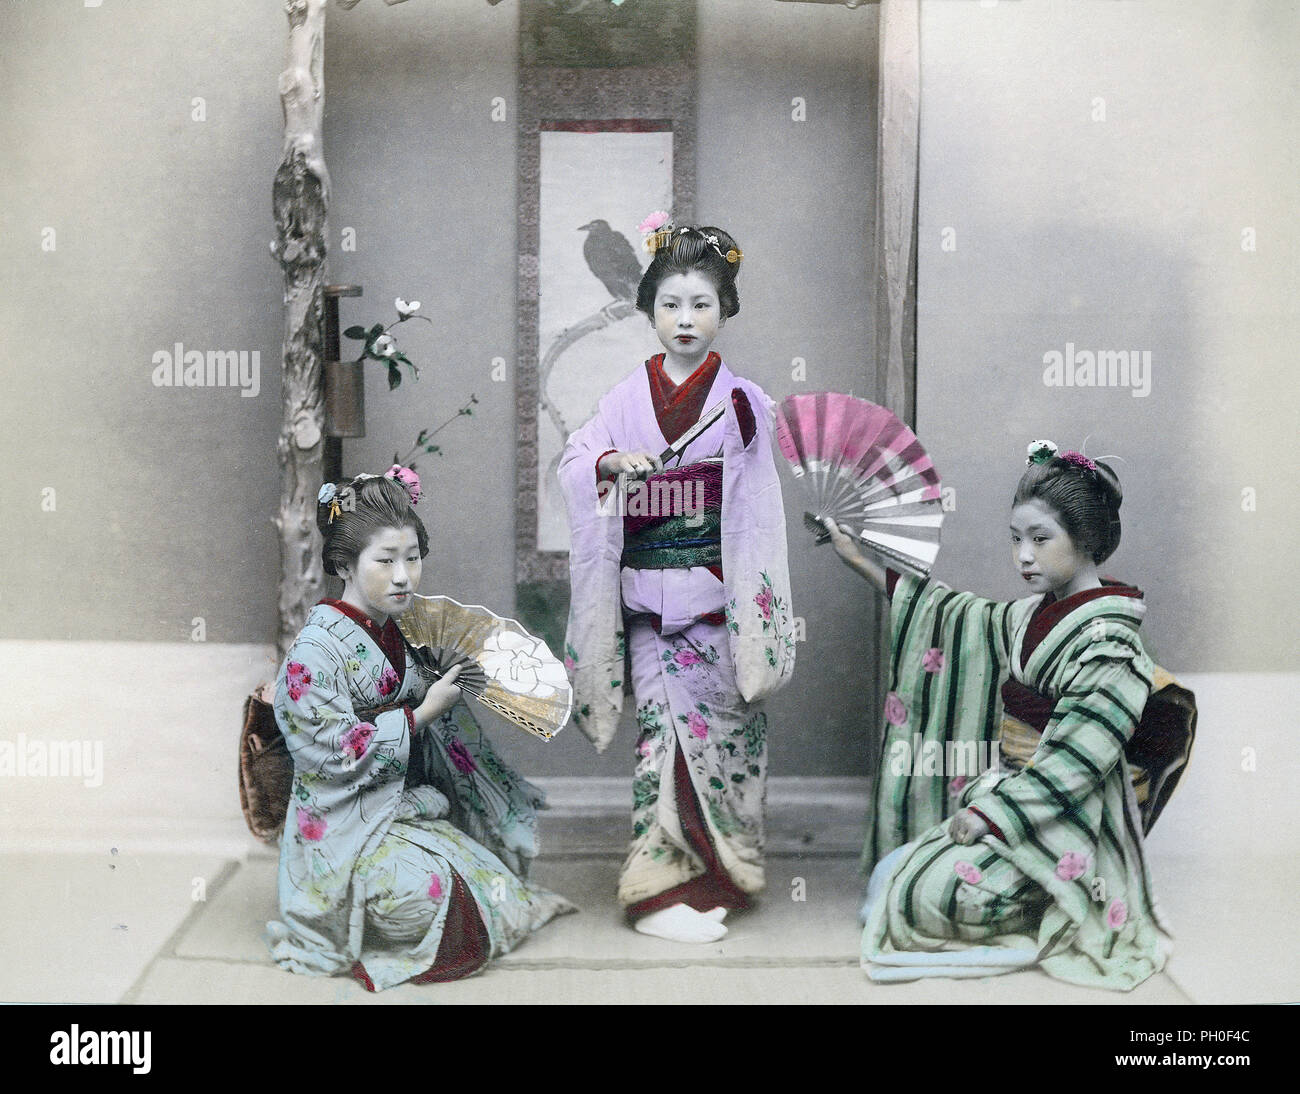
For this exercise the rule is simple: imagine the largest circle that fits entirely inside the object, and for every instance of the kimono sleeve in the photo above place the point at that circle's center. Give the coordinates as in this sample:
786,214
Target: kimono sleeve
330,743
1099,707
593,651
948,656
759,613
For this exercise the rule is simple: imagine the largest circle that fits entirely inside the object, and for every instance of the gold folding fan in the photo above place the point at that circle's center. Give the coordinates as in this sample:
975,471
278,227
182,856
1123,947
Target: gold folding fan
509,671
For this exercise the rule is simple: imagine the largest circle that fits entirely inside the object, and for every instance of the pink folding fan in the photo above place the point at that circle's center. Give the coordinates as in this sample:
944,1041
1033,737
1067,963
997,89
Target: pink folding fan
863,468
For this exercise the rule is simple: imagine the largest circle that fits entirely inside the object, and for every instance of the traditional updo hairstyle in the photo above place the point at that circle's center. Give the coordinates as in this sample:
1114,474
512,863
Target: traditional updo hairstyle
1085,499
375,503
703,249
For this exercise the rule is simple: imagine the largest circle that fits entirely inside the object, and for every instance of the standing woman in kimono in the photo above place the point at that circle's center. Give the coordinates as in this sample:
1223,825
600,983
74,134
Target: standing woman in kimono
407,841
683,570
1041,861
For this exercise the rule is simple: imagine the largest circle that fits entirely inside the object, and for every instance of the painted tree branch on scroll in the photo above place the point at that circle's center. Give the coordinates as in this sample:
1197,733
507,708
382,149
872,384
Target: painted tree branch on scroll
611,313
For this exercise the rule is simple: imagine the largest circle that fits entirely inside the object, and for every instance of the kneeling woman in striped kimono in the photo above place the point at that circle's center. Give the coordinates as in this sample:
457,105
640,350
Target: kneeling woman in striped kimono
1013,717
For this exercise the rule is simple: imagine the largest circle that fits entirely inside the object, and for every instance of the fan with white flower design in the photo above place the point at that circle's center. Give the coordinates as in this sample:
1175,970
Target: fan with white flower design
508,671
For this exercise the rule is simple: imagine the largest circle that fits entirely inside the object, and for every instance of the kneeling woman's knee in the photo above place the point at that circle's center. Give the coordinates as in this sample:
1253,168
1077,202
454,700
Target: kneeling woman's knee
406,916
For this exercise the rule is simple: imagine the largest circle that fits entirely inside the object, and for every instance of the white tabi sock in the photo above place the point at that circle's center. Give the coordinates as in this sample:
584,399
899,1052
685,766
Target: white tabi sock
681,923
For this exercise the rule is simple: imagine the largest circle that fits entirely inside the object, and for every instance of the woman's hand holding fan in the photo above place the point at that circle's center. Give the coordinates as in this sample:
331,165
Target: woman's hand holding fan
442,695
499,663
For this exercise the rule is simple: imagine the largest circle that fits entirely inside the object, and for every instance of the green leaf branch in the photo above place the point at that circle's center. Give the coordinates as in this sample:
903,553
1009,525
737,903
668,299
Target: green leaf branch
424,442
380,345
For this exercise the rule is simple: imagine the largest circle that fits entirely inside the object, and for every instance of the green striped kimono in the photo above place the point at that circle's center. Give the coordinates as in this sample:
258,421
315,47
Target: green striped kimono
1068,889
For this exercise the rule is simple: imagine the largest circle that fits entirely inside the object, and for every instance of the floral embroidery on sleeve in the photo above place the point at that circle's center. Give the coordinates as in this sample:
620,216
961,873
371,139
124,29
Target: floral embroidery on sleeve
357,739
387,682
311,826
895,711
299,680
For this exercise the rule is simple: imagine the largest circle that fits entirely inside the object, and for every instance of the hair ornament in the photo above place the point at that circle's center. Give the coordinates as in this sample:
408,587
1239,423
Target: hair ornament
343,501
1040,452
329,495
408,478
657,229
1079,460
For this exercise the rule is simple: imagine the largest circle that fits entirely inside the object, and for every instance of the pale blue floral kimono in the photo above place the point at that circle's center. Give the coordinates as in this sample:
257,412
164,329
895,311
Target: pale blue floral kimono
369,855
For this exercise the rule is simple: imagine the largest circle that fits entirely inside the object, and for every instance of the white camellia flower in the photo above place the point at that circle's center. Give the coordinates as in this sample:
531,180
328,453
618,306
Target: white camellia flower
1034,447
385,345
406,308
523,665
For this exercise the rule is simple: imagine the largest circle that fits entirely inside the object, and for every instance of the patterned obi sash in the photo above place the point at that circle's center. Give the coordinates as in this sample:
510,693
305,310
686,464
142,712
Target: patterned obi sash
1017,742
674,519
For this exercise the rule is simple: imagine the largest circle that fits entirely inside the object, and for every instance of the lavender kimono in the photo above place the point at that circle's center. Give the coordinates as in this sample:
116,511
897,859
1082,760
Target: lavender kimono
704,652
369,856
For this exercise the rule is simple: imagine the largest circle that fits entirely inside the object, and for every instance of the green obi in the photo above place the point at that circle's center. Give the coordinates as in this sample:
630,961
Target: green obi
676,543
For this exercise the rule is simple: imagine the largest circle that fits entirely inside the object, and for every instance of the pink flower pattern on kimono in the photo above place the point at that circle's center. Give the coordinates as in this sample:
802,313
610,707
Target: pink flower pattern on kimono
1116,914
697,725
460,757
1071,865
686,658
435,887
968,872
357,739
310,825
388,681
764,601
299,680
932,661
895,711
957,785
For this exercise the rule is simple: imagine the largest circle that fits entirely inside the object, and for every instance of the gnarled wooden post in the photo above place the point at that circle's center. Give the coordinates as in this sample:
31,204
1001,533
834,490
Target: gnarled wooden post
897,196
897,160
299,198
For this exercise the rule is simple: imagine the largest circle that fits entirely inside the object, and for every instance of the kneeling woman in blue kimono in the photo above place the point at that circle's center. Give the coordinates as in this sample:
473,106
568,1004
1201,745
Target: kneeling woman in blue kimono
407,841
1036,857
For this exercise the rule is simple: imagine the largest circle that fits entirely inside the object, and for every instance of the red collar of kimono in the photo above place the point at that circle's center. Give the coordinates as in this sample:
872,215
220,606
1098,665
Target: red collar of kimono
1050,612
677,406
388,638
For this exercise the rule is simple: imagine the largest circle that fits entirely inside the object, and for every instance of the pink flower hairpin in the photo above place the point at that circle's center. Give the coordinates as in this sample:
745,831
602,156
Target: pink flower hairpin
1079,460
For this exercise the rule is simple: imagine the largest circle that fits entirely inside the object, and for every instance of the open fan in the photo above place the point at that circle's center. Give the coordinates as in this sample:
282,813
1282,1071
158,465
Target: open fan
864,469
510,671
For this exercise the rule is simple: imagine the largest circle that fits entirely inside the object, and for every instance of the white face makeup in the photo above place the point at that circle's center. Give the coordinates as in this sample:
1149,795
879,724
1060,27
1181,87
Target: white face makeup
386,574
687,319
1044,554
